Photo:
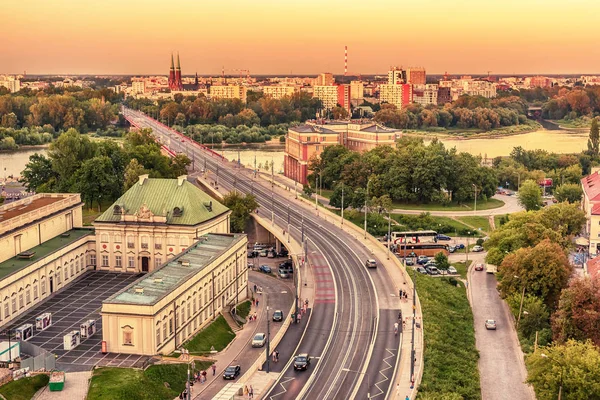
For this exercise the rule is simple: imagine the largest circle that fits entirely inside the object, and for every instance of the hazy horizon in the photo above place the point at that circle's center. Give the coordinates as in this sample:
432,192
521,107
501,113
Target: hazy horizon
136,37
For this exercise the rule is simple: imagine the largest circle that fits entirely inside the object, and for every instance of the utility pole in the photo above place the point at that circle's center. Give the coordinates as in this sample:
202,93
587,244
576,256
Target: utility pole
412,343
268,338
389,234
288,222
316,190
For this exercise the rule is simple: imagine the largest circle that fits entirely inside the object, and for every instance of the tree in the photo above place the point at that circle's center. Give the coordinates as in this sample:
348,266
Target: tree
578,315
241,207
543,270
535,318
339,113
132,172
594,140
67,154
441,261
569,192
38,175
9,120
575,364
530,195
96,180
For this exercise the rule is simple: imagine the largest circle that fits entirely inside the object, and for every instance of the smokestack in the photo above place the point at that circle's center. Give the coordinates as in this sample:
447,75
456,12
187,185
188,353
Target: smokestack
345,60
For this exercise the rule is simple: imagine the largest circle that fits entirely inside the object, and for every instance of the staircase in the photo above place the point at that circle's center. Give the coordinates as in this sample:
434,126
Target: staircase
226,313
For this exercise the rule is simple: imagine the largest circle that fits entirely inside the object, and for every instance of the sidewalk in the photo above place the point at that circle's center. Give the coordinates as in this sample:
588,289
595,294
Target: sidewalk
76,388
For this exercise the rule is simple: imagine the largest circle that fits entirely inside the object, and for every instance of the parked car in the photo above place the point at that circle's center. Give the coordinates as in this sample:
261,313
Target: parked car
283,274
477,248
232,372
451,249
490,324
452,270
430,263
421,270
271,254
283,253
422,260
301,362
263,253
259,340
443,237
251,265
432,270
278,316
287,263
459,246
265,268
252,254
410,261
479,267
371,263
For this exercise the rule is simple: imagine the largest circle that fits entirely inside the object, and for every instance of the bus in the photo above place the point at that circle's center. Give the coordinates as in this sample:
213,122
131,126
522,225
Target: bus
417,243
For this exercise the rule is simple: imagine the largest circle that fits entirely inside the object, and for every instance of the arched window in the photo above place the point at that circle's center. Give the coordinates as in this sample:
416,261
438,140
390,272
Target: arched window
104,238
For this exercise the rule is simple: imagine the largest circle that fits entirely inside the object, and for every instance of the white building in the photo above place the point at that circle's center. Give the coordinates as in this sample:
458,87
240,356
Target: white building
277,92
357,92
327,94
228,92
12,83
425,94
138,86
398,95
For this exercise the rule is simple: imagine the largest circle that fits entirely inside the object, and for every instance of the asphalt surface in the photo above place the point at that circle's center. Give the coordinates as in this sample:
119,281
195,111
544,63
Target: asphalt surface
351,320
278,295
501,364
78,302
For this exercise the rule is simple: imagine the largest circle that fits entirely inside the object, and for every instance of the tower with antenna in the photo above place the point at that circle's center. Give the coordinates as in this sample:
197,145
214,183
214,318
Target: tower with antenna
345,61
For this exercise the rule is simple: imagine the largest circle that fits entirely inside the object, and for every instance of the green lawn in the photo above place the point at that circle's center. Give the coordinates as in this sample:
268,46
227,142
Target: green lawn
462,267
450,355
25,388
243,309
481,205
477,222
90,214
217,335
126,383
445,225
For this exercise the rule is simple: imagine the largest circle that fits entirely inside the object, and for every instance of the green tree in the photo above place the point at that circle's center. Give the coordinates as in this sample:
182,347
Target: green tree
568,192
9,120
535,317
132,172
38,175
67,153
543,270
575,364
241,208
530,195
96,181
594,140
441,261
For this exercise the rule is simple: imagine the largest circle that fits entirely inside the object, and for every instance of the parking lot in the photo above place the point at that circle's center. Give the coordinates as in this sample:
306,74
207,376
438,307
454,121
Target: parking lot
79,302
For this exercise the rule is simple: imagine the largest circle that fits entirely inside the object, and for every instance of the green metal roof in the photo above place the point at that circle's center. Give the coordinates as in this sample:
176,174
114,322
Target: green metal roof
161,197
15,264
149,289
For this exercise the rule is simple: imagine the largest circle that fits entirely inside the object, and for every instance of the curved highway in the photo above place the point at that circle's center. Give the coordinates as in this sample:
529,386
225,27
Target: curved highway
350,329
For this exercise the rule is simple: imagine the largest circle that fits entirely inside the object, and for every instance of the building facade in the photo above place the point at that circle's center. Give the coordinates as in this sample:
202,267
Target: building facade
165,308
324,79
12,83
144,228
277,92
228,92
344,96
591,206
425,94
399,95
327,94
416,76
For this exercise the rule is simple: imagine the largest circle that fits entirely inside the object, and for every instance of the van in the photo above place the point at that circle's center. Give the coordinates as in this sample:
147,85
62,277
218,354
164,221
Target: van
491,269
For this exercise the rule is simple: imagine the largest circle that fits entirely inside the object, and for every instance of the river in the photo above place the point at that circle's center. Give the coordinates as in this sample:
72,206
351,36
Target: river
555,141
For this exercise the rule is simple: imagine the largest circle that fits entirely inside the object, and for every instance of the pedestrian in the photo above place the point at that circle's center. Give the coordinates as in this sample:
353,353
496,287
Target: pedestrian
401,293
400,315
245,390
251,392
254,288
277,355
299,318
256,303
254,318
407,397
214,368
274,357
204,376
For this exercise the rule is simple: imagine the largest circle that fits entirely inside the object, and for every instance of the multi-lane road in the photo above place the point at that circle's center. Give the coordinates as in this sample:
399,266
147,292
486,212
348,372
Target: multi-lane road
350,331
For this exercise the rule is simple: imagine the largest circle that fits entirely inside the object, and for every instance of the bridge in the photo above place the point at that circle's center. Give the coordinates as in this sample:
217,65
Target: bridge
350,328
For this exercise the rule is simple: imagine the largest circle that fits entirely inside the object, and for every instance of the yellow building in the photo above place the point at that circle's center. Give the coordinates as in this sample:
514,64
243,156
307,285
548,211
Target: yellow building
328,96
165,308
153,221
228,92
43,247
591,206
277,92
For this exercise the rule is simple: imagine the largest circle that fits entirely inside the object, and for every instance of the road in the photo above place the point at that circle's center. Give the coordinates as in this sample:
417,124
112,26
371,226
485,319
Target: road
501,364
351,321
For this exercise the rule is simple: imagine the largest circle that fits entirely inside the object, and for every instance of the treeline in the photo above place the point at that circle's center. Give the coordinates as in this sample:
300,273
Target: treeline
558,308
466,112
412,172
259,110
100,171
208,134
11,139
82,109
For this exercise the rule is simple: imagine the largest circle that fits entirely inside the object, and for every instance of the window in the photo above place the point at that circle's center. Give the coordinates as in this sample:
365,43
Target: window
92,259
189,314
43,285
170,325
117,238
144,242
183,241
58,276
131,262
317,148
118,262
13,302
127,336
165,331
171,241
72,269
130,242
66,273
195,305
157,262
6,310
35,292
104,260
158,243
158,335
104,238
21,304
27,296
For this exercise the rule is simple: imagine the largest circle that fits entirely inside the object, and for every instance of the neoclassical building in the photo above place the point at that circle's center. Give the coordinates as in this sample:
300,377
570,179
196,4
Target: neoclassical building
153,221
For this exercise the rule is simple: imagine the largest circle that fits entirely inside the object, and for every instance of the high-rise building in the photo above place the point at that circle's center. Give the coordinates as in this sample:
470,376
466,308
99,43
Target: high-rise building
175,75
12,83
228,92
138,86
396,76
399,95
325,79
416,76
344,93
357,94
327,94
425,94
278,92
444,96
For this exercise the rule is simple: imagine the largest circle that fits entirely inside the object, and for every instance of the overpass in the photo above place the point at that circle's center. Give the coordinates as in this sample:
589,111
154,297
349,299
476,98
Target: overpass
350,333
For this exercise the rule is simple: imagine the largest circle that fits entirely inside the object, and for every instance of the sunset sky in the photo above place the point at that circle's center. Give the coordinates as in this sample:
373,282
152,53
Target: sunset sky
299,37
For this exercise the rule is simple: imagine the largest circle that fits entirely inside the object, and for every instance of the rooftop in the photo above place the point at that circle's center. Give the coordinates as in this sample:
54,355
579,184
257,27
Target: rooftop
591,186
593,267
12,210
15,264
172,201
311,129
149,289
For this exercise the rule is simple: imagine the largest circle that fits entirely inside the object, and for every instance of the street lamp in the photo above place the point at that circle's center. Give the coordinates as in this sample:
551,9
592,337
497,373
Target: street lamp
366,198
475,188
522,299
361,373
562,368
268,338
467,249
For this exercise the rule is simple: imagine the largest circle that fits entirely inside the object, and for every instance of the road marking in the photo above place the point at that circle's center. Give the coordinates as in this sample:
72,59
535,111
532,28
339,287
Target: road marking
281,383
381,372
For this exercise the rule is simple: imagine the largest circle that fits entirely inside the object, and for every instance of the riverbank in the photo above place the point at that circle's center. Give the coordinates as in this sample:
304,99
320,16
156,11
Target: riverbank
474,133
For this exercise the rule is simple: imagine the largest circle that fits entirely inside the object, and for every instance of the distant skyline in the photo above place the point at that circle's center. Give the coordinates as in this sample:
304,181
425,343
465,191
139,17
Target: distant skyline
268,37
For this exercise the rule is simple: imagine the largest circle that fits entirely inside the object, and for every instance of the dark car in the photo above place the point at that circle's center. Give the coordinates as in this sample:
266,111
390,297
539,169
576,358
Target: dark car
301,362
282,253
278,316
421,270
442,237
265,268
410,261
422,260
286,264
252,254
459,246
232,372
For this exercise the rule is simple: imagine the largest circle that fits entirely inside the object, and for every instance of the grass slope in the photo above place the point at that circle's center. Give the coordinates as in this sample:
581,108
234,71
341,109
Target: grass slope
477,222
450,353
217,334
481,205
25,388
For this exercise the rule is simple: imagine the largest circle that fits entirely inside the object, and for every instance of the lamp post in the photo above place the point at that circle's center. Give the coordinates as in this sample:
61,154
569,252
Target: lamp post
412,340
361,373
467,249
522,300
475,208
389,234
562,368
268,339
316,190
366,198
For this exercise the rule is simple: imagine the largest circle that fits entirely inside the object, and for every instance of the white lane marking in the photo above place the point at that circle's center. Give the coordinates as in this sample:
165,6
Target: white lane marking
283,389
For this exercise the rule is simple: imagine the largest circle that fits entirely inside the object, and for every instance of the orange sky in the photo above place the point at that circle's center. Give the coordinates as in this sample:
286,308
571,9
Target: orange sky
300,37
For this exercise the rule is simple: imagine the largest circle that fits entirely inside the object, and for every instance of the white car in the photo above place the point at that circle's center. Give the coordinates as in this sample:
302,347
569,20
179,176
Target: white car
477,248
490,324
259,340
452,270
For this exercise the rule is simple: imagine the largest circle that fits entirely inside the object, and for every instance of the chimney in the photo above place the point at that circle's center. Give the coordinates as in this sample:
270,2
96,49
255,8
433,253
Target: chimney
142,179
181,179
